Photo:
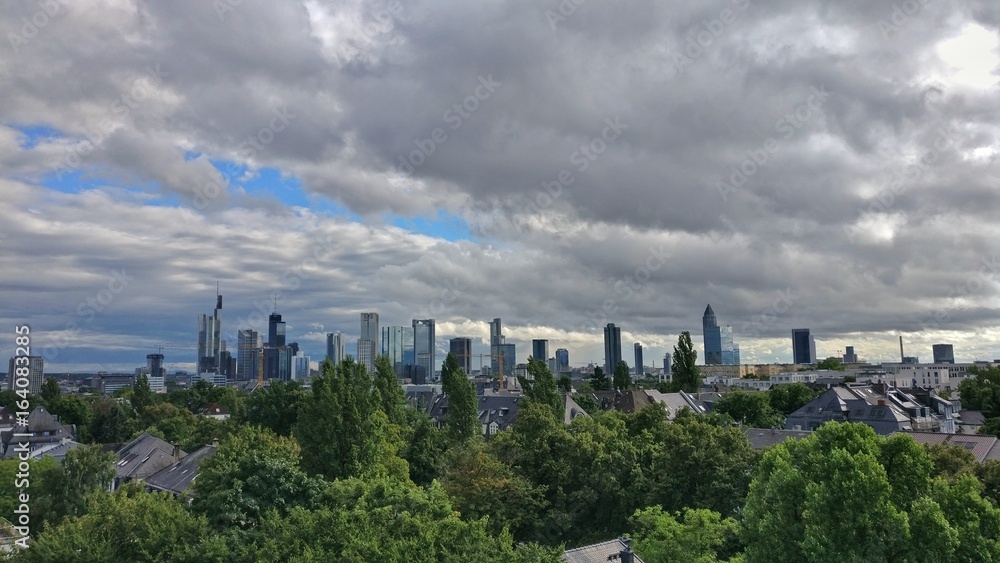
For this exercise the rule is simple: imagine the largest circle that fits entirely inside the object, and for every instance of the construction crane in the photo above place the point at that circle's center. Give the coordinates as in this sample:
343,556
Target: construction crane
498,357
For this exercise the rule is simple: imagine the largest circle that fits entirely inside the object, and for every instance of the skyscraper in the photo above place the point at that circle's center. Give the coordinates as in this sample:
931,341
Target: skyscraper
336,347
509,354
540,350
275,330
156,373
209,342
639,369
719,346
612,348
368,343
461,347
562,360
496,339
803,347
849,356
248,344
35,373
944,353
277,356
424,345
397,344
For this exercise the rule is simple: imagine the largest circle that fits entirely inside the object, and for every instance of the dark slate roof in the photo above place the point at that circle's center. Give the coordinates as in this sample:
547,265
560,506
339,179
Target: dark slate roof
177,477
44,429
143,456
761,438
501,409
983,447
626,401
598,553
974,418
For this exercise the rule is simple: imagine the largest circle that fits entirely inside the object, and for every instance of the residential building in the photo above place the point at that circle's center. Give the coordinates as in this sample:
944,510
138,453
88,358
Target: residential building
214,411
944,354
803,347
612,348
177,477
885,409
143,457
619,550
425,345
43,434
461,348
34,377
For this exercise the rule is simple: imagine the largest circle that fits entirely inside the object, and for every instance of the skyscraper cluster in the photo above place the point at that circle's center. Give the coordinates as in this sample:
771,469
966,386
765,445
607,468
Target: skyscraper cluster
719,346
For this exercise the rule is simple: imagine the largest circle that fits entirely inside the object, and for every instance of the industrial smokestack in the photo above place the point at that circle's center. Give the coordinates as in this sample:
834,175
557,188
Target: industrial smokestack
902,357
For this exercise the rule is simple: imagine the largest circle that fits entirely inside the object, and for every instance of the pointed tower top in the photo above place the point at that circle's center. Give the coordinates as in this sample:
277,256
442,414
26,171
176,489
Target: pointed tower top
709,311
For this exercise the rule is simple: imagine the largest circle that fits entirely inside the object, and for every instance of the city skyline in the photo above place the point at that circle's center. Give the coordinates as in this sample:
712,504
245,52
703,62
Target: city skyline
760,164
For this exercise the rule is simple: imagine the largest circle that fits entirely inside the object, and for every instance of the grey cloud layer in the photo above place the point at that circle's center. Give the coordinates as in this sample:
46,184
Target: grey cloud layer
838,211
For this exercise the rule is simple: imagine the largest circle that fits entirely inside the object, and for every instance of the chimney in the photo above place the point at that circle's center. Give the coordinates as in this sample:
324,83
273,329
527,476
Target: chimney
902,357
177,453
626,555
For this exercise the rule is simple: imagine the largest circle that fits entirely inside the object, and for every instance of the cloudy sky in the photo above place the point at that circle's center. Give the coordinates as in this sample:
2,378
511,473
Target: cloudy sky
795,163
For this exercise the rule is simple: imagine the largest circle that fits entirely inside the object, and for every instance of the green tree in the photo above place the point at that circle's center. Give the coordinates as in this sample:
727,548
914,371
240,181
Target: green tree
789,398
951,461
251,473
112,422
72,409
142,394
390,394
565,383
600,381
344,431
462,422
382,520
622,379
64,488
541,387
694,535
130,525
425,448
982,392
275,407
686,375
831,364
50,390
751,408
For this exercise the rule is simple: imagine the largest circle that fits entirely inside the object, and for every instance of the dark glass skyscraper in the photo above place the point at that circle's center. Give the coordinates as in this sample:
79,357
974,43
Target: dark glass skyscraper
275,331
944,354
803,347
562,360
719,346
612,348
461,347
424,345
540,350
639,370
